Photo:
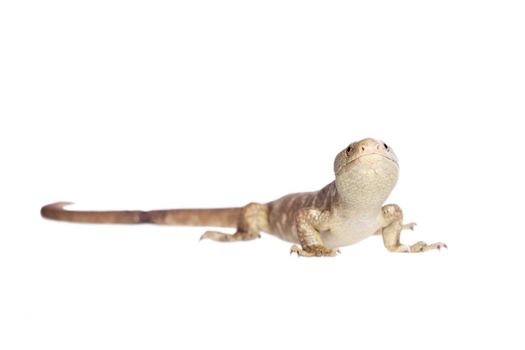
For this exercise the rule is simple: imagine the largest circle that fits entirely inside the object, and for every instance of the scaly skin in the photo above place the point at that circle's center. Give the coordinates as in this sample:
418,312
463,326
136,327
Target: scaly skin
344,212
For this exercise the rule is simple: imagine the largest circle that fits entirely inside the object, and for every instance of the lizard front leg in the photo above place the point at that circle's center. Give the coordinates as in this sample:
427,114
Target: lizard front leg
392,216
252,219
307,223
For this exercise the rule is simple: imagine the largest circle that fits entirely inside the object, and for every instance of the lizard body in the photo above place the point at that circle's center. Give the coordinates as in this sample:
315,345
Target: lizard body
346,211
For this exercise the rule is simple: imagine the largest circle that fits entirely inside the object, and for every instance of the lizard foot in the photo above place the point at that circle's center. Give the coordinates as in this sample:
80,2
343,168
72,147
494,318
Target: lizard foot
314,250
423,247
226,237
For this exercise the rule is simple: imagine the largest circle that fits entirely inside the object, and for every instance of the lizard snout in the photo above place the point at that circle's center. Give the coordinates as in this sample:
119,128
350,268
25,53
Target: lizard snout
371,146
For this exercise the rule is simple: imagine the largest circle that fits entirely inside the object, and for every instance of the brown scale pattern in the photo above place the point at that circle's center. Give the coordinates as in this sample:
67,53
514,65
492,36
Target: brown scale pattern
283,211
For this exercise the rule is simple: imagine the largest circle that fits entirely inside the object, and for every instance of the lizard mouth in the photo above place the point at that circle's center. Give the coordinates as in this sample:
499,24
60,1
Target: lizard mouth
367,155
373,154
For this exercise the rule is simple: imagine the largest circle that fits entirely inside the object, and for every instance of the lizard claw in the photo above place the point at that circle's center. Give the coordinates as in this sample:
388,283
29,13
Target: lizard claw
295,249
423,247
409,226
441,245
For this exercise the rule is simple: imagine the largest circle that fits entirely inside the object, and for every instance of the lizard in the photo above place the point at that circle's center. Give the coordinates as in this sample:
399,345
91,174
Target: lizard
346,211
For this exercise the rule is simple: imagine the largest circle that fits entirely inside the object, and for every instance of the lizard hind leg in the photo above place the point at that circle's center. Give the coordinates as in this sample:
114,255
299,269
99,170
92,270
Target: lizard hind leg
252,220
229,237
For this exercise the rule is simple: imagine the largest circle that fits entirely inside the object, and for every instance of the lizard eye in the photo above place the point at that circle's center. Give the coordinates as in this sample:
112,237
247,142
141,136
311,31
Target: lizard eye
349,149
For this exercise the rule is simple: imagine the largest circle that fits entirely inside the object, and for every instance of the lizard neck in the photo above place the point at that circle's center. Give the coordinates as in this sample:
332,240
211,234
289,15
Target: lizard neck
366,186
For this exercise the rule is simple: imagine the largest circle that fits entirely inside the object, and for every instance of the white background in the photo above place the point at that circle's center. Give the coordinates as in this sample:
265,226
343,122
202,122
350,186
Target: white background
142,105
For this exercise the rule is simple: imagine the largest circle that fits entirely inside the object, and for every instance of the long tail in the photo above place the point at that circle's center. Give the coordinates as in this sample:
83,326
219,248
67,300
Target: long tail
221,217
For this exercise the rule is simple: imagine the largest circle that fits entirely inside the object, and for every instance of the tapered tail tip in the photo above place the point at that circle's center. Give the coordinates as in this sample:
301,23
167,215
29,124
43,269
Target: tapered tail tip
58,206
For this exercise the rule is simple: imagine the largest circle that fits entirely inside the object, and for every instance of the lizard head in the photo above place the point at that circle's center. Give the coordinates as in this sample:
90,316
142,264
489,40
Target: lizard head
366,165
368,151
